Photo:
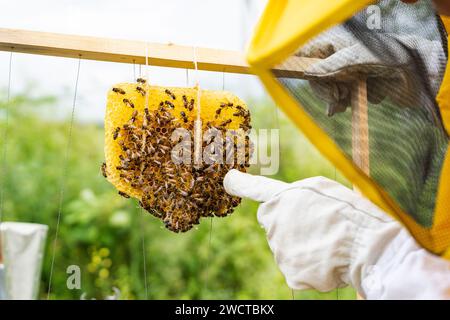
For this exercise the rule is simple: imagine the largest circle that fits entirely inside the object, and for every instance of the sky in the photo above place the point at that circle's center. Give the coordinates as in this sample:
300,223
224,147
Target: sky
224,24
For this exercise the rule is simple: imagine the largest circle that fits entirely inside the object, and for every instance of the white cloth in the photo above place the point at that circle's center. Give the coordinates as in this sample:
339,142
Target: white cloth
325,236
22,246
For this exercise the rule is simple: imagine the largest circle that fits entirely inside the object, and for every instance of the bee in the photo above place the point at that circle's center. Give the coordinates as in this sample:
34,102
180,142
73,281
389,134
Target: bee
141,80
140,90
170,104
170,93
235,202
185,101
183,115
184,193
118,90
116,133
218,111
123,146
133,116
229,104
223,124
104,170
223,105
191,105
123,194
147,114
128,103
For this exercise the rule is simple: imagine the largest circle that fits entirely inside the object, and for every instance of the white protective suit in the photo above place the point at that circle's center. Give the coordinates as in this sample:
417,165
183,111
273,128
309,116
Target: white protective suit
325,236
322,234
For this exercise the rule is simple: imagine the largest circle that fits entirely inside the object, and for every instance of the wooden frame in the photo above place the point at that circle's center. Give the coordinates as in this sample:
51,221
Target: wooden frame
176,56
126,51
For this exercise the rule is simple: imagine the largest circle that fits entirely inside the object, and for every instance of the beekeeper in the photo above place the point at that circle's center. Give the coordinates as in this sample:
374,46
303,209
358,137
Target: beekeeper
326,236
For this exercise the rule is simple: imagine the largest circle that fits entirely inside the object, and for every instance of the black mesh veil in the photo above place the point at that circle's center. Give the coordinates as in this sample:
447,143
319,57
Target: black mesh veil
400,51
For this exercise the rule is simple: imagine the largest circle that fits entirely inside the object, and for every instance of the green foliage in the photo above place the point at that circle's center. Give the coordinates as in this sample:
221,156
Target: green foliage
105,235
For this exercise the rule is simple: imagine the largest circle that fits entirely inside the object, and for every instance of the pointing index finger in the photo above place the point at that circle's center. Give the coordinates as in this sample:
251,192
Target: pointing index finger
257,188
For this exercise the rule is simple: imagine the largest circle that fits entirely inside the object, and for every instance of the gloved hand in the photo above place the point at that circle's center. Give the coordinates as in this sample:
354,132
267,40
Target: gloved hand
407,69
325,236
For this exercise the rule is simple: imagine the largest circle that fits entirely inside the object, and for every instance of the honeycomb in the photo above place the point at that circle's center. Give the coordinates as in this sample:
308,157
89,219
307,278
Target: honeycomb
140,150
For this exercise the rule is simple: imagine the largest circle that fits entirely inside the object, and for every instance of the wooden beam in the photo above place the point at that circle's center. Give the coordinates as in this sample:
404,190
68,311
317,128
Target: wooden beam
360,126
126,51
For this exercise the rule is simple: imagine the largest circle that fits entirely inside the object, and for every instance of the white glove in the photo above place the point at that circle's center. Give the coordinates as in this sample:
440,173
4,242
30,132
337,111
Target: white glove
407,69
325,236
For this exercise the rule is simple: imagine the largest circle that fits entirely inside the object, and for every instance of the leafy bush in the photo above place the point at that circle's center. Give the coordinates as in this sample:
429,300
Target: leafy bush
107,236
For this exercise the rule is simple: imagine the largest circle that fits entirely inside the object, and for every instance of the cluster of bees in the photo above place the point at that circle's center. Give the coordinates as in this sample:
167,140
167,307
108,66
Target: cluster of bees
177,193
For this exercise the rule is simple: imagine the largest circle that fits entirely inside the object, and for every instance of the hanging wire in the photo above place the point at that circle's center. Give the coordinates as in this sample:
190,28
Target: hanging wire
277,126
63,178
141,215
223,80
197,85
5,138
147,94
208,257
335,179
197,122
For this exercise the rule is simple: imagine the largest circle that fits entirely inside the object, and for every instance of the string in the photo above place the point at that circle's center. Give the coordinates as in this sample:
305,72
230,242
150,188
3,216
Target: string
5,138
211,222
197,84
208,257
63,178
277,126
334,122
147,94
141,215
146,61
198,122
223,80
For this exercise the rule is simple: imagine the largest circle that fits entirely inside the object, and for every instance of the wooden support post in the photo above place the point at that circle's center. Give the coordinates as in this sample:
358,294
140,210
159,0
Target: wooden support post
360,126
